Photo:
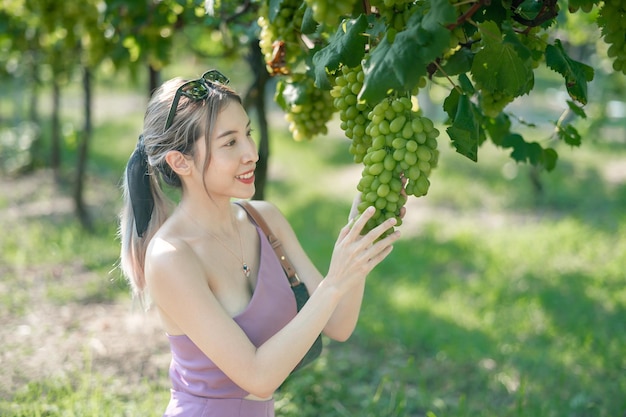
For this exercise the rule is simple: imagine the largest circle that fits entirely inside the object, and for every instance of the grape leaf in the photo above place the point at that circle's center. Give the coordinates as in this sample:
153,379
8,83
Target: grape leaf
464,131
498,128
399,66
569,134
274,9
309,25
290,93
497,67
576,74
451,103
459,63
529,9
578,111
347,46
531,152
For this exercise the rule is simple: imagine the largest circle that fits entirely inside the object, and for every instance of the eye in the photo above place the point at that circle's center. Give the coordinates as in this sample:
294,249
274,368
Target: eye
231,142
249,133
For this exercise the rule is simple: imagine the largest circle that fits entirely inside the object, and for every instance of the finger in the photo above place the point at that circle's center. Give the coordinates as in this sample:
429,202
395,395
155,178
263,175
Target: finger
379,230
361,220
378,257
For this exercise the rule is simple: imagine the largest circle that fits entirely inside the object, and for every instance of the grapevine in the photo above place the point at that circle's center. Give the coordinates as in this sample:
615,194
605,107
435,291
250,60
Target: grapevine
612,20
309,115
352,112
329,11
399,160
279,39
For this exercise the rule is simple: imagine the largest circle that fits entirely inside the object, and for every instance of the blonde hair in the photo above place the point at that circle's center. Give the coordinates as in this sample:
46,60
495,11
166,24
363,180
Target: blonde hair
194,119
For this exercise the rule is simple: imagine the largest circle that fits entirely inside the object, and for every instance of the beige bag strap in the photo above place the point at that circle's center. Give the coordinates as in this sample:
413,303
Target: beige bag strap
292,276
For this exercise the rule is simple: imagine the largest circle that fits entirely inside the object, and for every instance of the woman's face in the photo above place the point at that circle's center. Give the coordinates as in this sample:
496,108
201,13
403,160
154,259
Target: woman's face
230,172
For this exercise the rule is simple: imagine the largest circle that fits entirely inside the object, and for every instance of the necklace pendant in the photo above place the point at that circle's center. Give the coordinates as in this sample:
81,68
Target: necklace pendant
246,270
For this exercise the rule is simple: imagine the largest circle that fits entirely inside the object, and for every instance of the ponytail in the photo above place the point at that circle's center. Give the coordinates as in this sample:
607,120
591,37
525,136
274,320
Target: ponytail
146,207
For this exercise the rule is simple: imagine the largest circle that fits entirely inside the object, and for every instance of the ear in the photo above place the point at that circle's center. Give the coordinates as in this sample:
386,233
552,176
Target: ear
180,163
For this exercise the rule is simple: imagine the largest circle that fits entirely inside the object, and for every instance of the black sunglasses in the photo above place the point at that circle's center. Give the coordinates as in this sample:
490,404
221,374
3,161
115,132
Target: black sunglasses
196,90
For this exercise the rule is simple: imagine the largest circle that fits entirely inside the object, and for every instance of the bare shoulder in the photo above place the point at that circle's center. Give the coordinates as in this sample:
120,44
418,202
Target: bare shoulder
166,254
272,215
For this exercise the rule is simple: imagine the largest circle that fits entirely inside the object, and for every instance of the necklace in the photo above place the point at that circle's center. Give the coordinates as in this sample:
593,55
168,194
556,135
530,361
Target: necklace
244,266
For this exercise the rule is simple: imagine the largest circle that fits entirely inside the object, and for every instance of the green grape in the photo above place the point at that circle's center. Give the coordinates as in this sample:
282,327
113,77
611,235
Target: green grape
493,102
403,151
352,112
309,118
536,40
329,12
612,21
583,5
284,30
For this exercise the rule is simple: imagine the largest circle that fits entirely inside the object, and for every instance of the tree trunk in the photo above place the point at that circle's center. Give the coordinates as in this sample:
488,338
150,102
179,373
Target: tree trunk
83,146
255,97
55,130
154,80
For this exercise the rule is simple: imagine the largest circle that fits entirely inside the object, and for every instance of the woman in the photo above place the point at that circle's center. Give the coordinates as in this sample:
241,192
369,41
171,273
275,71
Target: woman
222,296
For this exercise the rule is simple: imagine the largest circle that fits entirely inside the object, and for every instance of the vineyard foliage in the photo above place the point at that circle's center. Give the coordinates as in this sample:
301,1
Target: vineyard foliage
364,61
369,60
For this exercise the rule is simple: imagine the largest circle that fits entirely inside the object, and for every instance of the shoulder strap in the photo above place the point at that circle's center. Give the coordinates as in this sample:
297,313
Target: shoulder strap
292,276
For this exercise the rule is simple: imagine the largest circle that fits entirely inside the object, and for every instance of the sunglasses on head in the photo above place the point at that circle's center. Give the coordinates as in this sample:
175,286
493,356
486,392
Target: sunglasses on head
196,90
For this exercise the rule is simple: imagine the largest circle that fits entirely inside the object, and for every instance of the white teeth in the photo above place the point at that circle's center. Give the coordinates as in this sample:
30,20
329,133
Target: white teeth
246,176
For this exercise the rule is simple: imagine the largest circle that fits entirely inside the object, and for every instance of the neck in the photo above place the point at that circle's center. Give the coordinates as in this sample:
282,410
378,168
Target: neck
219,218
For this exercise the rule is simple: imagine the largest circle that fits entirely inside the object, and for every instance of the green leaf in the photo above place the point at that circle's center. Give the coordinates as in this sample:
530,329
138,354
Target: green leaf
497,67
466,84
459,63
309,25
569,134
464,131
576,74
274,9
451,103
498,128
529,9
530,152
578,111
400,65
549,158
347,46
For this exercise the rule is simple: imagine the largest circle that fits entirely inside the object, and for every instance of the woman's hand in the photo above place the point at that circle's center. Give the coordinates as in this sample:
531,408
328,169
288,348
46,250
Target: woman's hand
355,255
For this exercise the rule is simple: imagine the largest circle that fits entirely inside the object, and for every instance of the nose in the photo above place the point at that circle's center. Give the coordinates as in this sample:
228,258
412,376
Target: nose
250,155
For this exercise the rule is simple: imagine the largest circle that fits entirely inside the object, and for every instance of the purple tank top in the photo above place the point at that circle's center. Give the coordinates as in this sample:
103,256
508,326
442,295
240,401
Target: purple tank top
271,307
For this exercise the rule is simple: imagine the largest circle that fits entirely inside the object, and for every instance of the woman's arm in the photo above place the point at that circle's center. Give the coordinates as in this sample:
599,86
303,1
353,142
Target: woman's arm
178,286
345,316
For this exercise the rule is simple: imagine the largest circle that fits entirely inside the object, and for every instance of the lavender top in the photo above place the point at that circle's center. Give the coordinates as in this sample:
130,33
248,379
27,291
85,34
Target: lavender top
271,307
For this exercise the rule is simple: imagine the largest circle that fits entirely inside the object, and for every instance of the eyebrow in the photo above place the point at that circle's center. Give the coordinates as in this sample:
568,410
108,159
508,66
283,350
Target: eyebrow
229,132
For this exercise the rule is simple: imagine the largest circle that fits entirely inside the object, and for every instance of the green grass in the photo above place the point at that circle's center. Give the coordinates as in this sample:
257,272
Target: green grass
497,302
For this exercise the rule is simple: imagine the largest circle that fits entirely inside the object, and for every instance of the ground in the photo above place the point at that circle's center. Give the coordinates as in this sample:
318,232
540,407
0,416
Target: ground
43,336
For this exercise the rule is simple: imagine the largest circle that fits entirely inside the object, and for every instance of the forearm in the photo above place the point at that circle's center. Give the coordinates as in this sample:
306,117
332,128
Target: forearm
276,358
345,317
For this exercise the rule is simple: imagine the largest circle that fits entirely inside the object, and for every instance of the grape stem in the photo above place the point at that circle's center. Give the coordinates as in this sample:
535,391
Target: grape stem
468,14
456,87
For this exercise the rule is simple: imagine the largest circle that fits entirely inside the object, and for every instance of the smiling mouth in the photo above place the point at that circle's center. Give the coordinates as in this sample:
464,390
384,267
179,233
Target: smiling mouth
245,176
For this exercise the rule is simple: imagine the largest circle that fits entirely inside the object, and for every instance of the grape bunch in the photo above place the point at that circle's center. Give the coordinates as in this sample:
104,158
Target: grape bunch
612,20
328,11
283,31
399,161
396,13
308,117
352,112
493,102
536,40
